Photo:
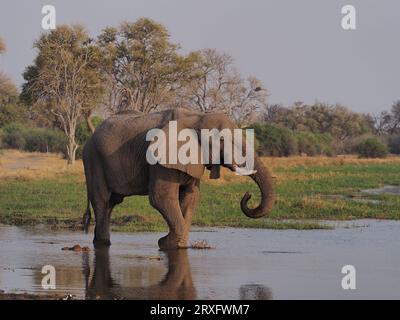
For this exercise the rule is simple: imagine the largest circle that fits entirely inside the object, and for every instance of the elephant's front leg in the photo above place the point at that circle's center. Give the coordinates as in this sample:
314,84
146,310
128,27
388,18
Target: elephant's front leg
188,198
163,196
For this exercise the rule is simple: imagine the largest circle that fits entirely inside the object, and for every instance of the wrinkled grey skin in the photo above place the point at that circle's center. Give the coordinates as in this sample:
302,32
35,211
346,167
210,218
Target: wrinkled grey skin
116,167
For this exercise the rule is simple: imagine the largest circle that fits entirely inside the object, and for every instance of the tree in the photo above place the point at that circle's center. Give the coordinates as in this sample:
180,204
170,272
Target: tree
245,100
215,73
65,78
382,122
273,113
40,114
388,122
10,108
2,46
395,111
141,66
217,86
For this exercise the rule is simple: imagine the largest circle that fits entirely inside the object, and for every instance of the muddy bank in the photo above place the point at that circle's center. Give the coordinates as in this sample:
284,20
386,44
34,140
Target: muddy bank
32,296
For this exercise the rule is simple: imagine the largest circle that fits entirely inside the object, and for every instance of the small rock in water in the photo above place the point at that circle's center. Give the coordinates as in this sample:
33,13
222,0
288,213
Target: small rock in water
76,248
200,244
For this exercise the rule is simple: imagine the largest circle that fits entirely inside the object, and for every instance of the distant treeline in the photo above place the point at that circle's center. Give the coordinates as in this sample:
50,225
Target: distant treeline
318,129
271,140
311,130
321,128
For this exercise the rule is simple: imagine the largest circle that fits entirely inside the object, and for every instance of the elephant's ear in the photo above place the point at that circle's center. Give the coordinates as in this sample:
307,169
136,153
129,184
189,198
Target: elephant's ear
172,130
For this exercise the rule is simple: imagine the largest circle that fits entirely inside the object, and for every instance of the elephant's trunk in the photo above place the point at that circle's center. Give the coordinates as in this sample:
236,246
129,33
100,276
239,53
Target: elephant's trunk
265,182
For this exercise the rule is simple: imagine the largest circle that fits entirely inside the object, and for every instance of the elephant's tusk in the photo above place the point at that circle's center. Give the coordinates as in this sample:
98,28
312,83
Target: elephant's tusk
244,172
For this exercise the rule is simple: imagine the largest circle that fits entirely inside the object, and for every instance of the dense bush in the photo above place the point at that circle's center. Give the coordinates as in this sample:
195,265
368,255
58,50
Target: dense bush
17,136
274,140
14,136
45,140
372,148
313,144
394,144
351,144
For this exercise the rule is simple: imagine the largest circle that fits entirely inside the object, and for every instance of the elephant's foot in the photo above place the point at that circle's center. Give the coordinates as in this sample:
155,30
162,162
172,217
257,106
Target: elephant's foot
172,241
101,243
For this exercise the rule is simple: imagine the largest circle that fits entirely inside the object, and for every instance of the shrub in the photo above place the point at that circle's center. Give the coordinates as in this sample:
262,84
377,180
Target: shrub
350,145
273,140
394,144
45,140
372,148
17,136
313,144
14,136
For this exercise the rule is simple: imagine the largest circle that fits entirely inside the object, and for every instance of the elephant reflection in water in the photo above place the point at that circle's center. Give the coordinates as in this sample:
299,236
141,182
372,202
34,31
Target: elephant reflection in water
176,285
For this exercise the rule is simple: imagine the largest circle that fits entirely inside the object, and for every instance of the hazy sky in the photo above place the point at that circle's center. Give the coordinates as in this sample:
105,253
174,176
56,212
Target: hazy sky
297,48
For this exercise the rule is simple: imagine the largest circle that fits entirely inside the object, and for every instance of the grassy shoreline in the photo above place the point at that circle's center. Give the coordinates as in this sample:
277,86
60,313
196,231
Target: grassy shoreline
41,189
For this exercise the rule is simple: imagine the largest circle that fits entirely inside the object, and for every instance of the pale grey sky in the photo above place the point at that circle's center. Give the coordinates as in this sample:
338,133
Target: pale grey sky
296,47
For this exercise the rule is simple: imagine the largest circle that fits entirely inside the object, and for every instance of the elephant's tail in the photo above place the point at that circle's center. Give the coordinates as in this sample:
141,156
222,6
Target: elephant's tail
87,216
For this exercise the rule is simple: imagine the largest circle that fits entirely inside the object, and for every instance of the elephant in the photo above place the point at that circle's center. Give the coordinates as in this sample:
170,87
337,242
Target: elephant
116,167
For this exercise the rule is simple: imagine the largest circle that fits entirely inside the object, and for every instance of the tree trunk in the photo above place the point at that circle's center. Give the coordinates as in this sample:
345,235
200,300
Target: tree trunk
71,149
90,123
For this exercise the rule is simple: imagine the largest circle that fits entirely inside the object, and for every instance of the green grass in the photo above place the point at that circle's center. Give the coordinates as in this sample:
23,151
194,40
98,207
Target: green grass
305,195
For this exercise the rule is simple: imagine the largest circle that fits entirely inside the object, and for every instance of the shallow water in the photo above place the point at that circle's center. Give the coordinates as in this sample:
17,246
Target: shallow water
246,263
390,190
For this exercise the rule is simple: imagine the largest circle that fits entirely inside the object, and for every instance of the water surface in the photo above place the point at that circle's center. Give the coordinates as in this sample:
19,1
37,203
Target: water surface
245,264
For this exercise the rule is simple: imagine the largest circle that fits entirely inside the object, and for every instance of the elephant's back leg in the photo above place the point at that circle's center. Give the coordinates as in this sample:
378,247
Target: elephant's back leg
99,195
189,196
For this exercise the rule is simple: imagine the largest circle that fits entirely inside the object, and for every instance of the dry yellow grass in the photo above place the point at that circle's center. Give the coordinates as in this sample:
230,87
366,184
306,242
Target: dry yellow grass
316,202
17,165
296,161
